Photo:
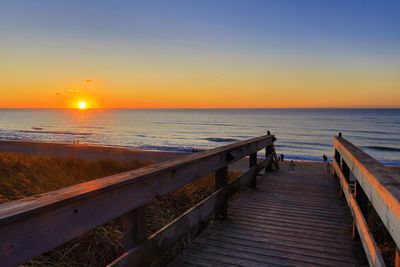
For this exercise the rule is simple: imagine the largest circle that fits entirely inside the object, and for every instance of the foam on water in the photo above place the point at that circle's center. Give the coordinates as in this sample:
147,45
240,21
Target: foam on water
303,134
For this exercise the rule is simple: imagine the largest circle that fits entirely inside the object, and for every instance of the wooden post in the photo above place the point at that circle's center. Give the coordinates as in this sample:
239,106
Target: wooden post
362,202
268,151
134,227
346,171
397,258
356,236
221,179
337,159
337,156
253,162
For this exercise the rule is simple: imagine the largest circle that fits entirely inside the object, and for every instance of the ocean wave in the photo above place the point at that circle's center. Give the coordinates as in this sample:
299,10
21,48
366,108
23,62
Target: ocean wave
220,140
170,148
54,132
383,148
291,142
201,124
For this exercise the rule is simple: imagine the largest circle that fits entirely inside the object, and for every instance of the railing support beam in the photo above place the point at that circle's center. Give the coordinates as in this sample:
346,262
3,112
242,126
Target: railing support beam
253,162
268,151
134,227
221,179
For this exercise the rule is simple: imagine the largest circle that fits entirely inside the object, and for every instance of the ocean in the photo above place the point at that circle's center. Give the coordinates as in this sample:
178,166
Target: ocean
303,134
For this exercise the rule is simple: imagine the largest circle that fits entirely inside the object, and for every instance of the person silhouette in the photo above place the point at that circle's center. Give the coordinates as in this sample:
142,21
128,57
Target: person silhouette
292,165
328,167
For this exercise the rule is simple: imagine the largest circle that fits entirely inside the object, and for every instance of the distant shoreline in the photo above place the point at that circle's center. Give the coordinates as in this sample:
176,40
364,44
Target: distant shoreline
228,108
95,151
86,151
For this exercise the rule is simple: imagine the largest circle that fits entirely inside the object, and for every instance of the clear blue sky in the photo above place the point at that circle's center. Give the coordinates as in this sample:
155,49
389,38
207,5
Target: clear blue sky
74,40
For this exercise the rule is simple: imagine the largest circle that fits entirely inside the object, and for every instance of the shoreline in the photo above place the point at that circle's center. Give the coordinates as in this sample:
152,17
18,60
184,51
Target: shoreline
86,151
96,151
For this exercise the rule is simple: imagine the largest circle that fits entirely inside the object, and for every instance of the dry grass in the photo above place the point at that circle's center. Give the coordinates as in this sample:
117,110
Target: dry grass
25,175
382,236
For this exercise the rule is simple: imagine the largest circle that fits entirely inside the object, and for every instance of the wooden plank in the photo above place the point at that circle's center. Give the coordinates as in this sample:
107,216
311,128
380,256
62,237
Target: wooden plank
134,227
276,233
291,212
264,228
273,247
218,258
371,249
287,239
380,184
31,226
277,255
189,260
162,240
332,235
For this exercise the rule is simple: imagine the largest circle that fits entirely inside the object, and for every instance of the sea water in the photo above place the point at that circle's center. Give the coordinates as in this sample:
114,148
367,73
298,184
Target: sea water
303,134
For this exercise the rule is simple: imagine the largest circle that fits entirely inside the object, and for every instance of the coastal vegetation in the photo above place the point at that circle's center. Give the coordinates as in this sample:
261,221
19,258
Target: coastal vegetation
24,175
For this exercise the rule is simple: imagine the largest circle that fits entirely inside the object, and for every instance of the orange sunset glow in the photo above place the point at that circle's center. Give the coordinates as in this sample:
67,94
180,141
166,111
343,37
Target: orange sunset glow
257,62
199,133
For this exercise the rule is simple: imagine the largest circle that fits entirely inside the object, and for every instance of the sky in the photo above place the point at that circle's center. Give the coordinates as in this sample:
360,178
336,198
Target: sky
200,54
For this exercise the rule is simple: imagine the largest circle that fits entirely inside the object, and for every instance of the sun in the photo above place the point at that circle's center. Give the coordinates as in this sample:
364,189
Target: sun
82,105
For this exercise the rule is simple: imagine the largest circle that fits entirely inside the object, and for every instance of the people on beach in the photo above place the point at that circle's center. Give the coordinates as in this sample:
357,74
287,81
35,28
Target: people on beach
325,161
292,165
282,157
328,167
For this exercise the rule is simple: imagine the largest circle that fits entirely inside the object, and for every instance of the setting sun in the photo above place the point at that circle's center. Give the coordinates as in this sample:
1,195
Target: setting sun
82,105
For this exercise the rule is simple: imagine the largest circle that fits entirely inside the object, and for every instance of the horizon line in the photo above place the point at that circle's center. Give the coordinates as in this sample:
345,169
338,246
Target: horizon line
197,108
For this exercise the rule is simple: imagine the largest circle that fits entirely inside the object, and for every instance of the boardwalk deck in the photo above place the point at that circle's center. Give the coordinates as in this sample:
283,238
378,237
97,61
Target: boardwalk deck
291,219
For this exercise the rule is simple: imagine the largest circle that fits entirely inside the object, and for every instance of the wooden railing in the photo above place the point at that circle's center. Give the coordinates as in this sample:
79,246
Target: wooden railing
34,225
373,183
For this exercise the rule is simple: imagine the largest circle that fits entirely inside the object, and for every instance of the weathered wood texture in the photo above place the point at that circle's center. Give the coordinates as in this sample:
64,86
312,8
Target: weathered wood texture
159,243
292,219
370,247
34,225
380,184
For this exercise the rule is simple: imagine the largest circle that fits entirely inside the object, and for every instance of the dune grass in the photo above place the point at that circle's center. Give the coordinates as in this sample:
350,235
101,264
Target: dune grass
26,175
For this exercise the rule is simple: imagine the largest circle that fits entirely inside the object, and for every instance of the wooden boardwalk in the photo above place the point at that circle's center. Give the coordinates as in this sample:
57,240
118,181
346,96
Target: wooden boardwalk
291,219
286,219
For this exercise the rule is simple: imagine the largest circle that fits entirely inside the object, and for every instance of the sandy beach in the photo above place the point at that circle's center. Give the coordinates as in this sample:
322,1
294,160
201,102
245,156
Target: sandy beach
88,151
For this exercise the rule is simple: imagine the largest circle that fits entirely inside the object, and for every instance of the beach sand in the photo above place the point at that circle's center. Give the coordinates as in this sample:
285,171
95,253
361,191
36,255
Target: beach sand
86,151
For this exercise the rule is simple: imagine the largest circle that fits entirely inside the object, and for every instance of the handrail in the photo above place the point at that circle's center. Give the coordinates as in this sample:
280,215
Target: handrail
380,185
34,225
